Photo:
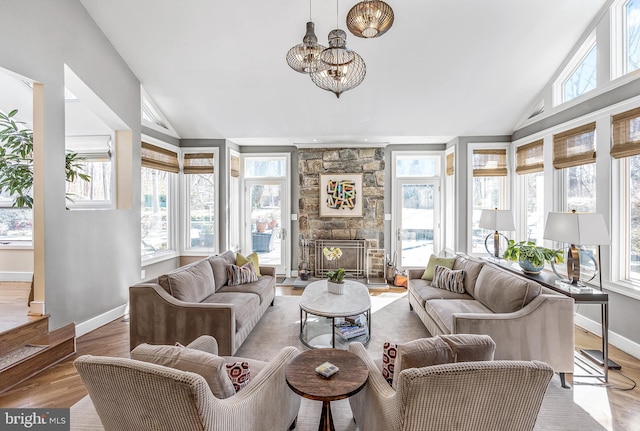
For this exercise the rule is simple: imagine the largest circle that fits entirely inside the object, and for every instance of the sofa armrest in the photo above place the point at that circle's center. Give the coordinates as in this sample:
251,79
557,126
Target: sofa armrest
415,273
375,406
543,330
158,318
267,393
268,270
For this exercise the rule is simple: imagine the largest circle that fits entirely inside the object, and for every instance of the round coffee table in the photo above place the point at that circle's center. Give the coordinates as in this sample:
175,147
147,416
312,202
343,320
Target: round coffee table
302,378
316,300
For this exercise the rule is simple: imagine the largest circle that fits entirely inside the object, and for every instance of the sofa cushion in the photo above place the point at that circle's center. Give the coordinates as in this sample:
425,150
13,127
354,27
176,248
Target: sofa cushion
253,258
422,352
472,270
209,366
219,266
241,274
246,305
190,283
470,347
424,291
447,262
263,288
442,311
449,279
504,292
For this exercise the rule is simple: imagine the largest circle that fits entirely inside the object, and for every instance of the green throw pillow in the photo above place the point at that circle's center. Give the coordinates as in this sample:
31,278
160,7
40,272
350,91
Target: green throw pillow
434,261
253,258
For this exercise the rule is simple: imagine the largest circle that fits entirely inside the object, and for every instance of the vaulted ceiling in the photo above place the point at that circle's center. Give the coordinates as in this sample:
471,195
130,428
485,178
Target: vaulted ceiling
216,69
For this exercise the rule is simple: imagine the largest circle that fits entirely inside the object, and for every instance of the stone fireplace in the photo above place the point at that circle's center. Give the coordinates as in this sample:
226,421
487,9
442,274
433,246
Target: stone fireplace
368,229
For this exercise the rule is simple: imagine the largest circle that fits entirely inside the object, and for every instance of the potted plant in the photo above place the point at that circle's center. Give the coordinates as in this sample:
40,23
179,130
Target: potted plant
335,282
530,256
16,161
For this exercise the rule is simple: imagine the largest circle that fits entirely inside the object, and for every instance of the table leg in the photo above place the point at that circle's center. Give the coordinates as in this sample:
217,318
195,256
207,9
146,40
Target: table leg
326,419
605,340
333,336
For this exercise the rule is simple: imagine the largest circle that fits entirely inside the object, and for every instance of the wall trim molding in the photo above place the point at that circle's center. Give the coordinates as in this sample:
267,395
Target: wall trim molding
622,343
98,321
16,276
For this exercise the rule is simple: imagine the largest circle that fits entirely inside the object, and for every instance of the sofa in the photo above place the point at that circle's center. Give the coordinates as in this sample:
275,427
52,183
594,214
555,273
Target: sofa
195,300
526,320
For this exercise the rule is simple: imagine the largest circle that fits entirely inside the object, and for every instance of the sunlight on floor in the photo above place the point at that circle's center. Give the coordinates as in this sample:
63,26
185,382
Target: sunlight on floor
592,396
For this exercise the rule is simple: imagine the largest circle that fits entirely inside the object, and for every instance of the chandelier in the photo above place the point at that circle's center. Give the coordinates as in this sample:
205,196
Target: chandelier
339,69
303,57
370,18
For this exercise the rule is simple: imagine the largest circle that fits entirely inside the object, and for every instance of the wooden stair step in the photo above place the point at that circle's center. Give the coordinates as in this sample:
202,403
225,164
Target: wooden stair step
31,328
59,344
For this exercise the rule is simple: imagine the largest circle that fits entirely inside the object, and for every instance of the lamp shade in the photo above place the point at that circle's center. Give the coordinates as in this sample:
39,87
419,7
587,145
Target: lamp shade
577,228
497,220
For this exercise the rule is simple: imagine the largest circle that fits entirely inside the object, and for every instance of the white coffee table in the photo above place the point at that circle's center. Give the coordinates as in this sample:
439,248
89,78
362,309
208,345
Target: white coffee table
318,331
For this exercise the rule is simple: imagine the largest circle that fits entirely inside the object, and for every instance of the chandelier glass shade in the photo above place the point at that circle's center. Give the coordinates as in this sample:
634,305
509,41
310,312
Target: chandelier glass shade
303,57
339,69
370,18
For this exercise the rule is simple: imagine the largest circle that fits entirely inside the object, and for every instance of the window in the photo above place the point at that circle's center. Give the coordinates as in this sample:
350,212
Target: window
626,147
417,166
450,202
201,191
234,201
489,189
94,153
16,224
631,17
158,176
530,167
580,75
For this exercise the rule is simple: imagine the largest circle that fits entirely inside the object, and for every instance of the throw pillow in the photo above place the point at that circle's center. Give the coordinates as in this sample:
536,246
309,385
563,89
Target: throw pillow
209,366
434,261
389,352
239,374
253,258
241,274
449,279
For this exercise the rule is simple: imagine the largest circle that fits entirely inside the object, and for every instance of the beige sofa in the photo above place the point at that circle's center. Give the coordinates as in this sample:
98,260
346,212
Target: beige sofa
195,300
526,320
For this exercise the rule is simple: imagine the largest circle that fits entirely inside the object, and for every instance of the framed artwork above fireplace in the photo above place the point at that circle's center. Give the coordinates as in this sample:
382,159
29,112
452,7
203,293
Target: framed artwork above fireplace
340,195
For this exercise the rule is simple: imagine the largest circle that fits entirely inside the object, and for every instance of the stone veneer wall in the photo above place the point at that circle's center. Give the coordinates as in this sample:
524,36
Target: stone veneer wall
368,161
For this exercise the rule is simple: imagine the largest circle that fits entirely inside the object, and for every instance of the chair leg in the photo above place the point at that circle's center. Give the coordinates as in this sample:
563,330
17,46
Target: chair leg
293,424
563,381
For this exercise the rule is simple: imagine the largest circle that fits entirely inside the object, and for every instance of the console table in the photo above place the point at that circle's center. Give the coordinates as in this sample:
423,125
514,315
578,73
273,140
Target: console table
580,296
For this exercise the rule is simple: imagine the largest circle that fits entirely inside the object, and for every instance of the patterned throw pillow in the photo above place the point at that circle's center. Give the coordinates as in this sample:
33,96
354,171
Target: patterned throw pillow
239,374
389,351
449,279
241,274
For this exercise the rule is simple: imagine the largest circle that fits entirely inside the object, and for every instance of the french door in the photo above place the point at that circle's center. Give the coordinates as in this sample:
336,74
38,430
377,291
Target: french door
266,210
416,221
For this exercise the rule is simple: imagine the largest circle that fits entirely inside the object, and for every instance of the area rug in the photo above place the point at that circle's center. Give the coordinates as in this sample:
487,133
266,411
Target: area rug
391,321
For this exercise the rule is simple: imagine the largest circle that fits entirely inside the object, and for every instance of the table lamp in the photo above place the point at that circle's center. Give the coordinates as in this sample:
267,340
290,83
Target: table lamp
576,229
496,220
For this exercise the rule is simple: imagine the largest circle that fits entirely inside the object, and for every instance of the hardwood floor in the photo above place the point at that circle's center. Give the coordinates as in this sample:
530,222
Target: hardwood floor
615,407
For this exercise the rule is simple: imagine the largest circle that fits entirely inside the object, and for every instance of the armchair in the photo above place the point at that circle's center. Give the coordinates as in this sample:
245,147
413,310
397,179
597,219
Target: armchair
465,396
130,394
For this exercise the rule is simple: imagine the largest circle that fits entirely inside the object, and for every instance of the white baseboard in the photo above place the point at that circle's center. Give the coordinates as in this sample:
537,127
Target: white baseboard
16,276
622,343
98,321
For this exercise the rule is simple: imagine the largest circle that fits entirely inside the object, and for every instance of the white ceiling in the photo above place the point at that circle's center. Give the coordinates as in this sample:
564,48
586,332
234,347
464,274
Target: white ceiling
217,69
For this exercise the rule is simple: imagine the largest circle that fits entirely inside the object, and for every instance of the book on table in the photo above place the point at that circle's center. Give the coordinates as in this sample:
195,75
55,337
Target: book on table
351,327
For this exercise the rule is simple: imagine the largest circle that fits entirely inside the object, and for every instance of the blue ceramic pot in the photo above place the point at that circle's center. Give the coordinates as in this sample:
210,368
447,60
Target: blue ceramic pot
528,267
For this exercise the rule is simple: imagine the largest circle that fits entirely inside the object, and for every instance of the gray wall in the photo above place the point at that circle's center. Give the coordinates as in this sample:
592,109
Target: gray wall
89,257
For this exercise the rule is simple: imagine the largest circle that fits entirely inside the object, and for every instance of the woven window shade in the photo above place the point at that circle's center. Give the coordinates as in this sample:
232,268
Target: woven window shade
235,166
574,147
450,160
529,158
198,163
626,134
159,158
490,163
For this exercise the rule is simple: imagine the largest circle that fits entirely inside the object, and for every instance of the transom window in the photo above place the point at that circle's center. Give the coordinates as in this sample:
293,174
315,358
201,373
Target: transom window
580,75
631,27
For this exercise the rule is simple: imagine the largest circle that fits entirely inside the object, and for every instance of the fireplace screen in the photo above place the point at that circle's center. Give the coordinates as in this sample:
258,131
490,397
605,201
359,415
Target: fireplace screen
352,260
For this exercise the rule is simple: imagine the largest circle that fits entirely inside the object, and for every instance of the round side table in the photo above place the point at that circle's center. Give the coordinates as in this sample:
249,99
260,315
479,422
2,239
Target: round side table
349,380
